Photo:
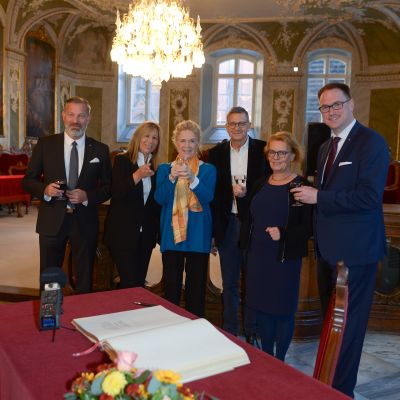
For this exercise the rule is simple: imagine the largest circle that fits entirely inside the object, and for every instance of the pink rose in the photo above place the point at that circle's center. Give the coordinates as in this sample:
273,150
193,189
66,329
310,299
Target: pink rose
125,360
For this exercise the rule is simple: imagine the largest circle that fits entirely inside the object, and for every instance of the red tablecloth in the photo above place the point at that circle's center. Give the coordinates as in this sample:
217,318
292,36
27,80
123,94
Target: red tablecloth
11,190
33,367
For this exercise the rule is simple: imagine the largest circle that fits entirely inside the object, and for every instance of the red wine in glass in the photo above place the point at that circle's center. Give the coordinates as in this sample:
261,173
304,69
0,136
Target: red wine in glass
63,187
293,185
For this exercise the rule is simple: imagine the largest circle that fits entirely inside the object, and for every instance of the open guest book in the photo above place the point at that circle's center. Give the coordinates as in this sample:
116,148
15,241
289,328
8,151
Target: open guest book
164,340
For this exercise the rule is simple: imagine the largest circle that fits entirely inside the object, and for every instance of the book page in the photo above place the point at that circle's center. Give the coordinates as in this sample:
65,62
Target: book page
195,349
101,327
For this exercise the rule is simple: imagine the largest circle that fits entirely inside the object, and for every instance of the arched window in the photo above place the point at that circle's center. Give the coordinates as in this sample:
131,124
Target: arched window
138,101
231,77
324,66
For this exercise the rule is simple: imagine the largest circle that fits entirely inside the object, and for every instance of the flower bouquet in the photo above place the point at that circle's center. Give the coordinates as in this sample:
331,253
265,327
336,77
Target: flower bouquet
121,381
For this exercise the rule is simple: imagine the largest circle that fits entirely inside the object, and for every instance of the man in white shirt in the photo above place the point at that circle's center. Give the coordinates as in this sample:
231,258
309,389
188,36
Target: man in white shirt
240,162
351,175
84,164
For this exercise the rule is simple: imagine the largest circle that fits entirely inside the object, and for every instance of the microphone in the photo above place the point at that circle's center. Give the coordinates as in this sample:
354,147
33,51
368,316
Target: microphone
52,280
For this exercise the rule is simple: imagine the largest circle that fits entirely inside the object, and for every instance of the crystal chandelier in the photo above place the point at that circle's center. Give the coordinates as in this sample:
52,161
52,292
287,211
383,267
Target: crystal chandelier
157,40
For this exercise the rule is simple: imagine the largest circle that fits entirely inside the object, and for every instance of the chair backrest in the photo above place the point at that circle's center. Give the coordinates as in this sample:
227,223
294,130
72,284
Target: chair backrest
391,194
18,169
333,329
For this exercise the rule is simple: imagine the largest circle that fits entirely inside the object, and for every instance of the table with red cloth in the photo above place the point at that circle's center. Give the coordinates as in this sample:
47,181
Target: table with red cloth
34,367
11,191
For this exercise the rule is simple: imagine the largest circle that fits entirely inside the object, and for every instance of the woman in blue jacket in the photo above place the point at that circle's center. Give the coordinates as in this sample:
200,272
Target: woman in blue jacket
184,189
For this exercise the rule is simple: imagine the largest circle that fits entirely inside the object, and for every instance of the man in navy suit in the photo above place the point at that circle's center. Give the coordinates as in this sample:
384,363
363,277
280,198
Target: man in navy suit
74,217
349,218
240,162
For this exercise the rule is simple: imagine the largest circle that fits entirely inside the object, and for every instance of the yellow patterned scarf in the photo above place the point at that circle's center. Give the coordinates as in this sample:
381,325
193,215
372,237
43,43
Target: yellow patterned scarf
184,199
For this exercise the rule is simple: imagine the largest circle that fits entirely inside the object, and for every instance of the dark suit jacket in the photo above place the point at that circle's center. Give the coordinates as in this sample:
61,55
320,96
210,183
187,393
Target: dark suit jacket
127,213
221,207
95,179
349,217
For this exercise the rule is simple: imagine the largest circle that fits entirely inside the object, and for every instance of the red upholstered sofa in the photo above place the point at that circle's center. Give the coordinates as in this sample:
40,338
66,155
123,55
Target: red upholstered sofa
13,164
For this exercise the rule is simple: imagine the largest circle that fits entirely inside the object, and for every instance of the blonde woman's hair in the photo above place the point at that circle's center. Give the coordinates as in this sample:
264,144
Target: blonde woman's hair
134,144
186,126
291,143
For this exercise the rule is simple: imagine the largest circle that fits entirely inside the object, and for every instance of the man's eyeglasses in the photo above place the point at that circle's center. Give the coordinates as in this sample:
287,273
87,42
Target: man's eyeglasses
335,106
280,153
236,124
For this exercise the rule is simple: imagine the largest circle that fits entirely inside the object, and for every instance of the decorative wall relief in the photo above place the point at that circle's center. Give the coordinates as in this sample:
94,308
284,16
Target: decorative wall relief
39,87
14,88
282,114
178,112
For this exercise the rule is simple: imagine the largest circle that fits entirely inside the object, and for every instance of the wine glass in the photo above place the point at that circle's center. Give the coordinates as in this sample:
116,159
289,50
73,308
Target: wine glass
292,185
63,186
240,179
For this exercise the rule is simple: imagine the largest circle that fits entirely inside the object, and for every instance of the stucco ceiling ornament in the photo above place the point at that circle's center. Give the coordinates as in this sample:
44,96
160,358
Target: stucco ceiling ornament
285,37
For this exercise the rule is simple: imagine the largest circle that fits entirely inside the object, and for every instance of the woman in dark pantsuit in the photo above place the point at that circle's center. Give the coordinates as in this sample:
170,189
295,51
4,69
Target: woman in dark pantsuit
132,222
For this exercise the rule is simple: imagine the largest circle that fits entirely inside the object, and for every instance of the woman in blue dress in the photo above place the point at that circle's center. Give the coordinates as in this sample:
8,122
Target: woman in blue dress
275,236
185,189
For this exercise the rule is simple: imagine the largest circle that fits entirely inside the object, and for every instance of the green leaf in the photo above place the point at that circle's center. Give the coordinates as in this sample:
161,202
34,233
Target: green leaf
95,387
154,384
70,396
143,377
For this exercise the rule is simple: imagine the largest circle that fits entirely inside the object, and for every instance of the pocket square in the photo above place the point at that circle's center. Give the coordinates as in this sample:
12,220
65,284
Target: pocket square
345,163
95,160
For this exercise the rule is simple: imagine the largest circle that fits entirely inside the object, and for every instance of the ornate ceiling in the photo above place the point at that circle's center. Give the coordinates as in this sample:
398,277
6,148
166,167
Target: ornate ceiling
284,22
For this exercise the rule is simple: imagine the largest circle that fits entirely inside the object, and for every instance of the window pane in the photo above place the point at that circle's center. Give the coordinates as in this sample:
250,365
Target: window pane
227,67
154,114
337,67
313,85
245,67
224,99
245,94
138,101
313,117
317,66
338,80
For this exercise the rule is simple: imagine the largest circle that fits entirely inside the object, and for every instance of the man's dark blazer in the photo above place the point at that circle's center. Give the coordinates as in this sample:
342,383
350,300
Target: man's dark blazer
47,165
349,217
220,157
128,213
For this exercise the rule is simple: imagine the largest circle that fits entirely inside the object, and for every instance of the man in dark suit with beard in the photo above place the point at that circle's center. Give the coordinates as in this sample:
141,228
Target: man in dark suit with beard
352,170
239,163
84,164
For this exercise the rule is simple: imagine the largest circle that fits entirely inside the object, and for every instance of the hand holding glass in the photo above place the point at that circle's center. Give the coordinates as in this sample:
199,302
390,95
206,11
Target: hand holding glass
293,185
63,186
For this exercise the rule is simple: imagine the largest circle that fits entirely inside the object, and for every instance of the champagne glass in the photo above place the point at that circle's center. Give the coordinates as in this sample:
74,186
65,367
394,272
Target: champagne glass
63,186
292,185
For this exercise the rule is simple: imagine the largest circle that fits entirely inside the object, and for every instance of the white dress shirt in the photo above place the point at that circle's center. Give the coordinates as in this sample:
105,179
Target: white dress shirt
239,160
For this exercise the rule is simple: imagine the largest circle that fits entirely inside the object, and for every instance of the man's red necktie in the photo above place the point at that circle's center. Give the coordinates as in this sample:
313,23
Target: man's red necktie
331,157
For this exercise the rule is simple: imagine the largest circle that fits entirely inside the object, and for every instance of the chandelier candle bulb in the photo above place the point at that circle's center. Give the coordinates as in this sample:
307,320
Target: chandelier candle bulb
157,40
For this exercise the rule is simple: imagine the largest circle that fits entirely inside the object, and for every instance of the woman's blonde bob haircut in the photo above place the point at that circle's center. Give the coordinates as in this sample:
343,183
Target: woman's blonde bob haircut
134,144
186,126
291,143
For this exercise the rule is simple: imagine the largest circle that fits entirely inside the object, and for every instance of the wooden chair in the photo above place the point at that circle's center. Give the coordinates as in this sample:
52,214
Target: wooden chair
333,329
391,194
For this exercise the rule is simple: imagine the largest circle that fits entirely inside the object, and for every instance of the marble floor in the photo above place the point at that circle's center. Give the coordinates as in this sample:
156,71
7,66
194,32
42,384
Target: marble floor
379,373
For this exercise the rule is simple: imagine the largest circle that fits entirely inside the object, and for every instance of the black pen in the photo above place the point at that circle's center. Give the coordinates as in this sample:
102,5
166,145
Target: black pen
141,303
